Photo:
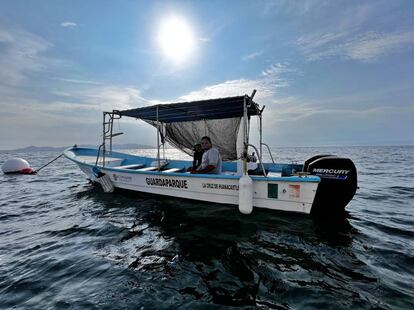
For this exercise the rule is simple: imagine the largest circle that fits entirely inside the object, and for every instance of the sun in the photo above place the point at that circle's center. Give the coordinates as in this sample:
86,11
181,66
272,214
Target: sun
176,39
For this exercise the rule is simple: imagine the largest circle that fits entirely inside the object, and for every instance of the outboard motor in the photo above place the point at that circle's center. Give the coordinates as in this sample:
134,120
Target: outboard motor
338,182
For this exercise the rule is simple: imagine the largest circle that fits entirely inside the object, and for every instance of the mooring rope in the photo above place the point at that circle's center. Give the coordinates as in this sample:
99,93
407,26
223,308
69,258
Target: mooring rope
37,170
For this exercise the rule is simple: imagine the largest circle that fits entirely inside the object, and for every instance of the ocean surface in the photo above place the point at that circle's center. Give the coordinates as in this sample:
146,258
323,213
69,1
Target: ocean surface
64,244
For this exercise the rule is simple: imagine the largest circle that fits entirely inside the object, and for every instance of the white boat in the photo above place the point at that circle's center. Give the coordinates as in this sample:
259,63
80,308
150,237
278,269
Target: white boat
324,183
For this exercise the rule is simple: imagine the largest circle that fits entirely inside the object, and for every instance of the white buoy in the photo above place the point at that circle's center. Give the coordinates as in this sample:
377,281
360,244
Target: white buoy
245,194
16,165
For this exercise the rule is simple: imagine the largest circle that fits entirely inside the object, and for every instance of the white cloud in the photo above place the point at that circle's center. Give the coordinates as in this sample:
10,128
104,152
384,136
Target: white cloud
293,7
74,104
317,42
266,84
22,54
74,118
367,47
252,56
224,89
291,120
107,97
353,32
371,46
76,81
278,69
68,24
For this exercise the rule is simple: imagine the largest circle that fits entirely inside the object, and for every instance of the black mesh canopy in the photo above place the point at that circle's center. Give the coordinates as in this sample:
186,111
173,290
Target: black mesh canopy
194,110
183,124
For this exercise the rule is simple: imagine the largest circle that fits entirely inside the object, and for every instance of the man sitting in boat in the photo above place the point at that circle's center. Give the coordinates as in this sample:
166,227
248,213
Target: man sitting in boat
211,161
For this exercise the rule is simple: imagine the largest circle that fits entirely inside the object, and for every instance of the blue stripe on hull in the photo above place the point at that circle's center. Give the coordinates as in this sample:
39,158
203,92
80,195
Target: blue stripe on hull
227,166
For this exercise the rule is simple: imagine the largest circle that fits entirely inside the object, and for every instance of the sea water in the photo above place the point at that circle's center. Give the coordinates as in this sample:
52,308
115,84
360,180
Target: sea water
66,244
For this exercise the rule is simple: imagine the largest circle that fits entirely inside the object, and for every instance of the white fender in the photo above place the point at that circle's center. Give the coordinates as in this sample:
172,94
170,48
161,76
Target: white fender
106,183
246,194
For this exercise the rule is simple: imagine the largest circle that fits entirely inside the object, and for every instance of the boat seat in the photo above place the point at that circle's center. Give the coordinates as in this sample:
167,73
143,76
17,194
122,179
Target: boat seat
229,172
109,161
171,170
133,166
274,174
148,169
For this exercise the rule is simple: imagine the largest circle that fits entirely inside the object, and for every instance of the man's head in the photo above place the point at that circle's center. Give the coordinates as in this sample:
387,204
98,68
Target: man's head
206,143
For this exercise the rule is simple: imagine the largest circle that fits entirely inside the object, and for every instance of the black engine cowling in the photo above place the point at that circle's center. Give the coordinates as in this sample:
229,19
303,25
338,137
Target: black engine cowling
338,182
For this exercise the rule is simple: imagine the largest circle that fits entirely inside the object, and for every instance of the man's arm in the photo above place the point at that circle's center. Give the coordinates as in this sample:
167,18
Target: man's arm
205,170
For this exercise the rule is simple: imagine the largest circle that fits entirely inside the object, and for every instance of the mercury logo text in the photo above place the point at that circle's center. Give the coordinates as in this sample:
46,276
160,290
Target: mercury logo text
331,171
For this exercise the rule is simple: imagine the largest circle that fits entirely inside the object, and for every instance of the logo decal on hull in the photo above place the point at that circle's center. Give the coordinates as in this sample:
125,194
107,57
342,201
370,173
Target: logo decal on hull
294,190
122,178
231,187
166,182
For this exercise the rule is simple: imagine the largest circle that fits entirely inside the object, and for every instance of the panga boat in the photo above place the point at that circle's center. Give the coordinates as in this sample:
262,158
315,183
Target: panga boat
322,184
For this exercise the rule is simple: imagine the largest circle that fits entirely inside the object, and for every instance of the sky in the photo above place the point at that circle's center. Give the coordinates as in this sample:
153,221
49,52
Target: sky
329,72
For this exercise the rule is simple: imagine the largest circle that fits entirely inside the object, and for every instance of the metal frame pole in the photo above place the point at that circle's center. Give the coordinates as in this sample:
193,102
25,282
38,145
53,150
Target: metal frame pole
111,125
158,141
103,139
245,138
261,134
248,129
163,141
260,161
268,148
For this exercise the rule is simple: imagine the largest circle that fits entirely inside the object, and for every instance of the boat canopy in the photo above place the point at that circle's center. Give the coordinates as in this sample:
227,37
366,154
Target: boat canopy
183,124
195,110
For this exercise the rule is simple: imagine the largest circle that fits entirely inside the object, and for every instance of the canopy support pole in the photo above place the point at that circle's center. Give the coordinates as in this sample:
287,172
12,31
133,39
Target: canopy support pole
163,141
158,141
104,132
261,134
245,136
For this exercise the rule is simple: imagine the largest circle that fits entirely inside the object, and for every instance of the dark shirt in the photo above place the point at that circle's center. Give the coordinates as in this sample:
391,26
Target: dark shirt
197,159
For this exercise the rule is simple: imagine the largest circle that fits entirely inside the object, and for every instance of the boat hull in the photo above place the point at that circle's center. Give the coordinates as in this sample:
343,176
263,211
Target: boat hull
293,194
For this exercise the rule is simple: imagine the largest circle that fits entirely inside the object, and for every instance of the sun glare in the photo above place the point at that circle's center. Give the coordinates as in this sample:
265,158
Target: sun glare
176,39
